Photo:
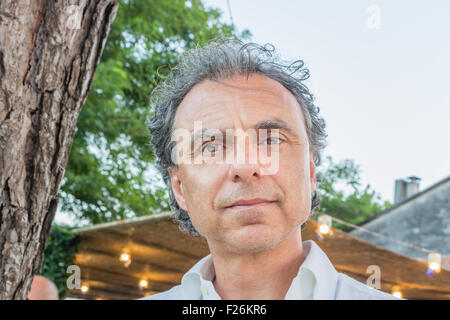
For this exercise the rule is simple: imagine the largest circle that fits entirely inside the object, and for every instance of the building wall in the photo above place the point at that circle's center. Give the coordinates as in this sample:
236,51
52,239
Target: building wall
423,221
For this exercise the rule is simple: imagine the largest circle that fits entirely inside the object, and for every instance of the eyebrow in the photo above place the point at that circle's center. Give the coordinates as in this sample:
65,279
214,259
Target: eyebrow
269,124
276,124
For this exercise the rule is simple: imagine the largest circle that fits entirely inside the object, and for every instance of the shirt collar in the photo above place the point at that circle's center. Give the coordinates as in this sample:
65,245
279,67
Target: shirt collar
316,278
320,266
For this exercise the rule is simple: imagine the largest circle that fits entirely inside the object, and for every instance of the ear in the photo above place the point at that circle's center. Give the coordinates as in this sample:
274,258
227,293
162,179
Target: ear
312,172
177,188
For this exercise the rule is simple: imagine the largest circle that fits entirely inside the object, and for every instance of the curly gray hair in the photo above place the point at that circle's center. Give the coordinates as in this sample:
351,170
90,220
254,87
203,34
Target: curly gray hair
222,59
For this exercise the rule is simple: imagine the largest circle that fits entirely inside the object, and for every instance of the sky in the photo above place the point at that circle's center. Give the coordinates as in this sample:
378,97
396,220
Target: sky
380,72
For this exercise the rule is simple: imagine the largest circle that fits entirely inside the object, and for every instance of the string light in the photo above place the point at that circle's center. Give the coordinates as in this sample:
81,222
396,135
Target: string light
84,288
143,284
125,257
324,228
434,263
396,292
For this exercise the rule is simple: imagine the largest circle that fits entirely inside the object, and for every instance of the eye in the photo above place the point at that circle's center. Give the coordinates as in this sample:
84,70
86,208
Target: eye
273,140
213,147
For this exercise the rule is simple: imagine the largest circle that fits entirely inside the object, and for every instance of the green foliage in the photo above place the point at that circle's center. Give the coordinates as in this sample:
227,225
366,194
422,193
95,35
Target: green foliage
353,205
109,175
59,254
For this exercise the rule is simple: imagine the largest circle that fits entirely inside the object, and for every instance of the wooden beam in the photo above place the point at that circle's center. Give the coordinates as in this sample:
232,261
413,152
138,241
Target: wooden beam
106,242
137,268
124,281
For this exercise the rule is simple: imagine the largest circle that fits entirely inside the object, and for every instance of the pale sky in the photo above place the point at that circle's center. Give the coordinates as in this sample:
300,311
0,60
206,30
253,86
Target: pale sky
384,93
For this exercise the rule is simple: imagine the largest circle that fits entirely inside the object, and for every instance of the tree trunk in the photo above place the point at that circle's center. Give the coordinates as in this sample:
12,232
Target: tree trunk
49,51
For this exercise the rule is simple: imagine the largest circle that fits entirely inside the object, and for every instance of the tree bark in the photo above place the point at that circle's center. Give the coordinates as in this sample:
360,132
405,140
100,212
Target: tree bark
49,51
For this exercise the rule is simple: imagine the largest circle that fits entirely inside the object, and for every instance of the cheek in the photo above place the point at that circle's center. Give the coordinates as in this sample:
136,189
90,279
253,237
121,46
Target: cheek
202,183
294,180
200,187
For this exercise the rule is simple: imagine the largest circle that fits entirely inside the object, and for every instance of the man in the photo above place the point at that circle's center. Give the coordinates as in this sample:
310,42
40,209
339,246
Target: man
250,212
42,289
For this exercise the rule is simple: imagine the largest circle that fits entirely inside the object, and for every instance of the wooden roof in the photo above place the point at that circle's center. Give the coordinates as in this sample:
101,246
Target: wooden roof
161,254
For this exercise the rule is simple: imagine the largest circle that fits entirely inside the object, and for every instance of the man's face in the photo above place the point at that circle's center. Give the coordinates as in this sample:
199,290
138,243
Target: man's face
206,190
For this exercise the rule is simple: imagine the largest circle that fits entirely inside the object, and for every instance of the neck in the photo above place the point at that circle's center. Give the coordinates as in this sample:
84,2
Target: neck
263,275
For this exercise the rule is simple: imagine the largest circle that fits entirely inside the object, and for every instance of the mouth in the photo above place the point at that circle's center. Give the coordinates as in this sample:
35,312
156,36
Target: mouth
251,203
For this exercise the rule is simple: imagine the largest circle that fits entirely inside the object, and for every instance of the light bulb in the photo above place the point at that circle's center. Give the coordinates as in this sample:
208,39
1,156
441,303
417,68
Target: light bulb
124,257
324,224
434,266
434,262
396,292
324,229
143,283
84,288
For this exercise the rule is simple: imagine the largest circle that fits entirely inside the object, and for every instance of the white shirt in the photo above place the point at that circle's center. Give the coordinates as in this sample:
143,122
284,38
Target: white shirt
316,279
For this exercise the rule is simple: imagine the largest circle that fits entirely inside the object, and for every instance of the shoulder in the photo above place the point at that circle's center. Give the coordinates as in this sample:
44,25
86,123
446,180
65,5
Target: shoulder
351,289
175,293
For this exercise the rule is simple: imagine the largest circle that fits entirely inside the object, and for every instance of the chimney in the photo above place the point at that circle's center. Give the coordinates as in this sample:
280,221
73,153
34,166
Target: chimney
412,186
405,188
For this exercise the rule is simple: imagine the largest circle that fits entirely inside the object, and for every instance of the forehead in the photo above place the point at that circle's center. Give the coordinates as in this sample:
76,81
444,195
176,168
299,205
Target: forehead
238,101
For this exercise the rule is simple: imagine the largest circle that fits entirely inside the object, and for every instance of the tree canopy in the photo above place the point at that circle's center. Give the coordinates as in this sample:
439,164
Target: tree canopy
342,195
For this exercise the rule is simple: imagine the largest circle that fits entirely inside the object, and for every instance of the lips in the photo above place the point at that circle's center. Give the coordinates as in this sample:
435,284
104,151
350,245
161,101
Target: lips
250,202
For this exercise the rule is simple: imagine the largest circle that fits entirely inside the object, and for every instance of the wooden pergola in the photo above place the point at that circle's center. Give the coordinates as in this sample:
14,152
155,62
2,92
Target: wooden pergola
161,254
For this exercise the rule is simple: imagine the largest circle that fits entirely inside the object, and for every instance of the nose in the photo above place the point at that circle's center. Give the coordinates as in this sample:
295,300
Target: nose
244,172
245,166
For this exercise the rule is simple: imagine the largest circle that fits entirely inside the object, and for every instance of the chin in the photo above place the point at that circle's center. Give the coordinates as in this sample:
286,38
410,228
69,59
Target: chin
251,239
